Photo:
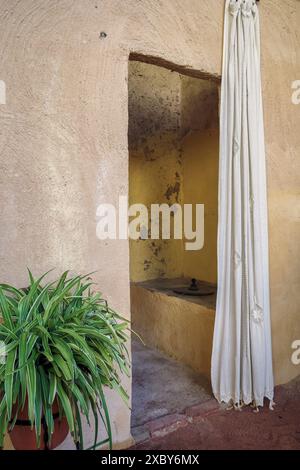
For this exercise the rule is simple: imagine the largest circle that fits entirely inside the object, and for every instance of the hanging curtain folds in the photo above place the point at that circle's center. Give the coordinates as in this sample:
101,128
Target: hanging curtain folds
242,352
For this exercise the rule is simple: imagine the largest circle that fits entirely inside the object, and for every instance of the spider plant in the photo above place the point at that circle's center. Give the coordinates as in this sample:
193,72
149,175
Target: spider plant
62,342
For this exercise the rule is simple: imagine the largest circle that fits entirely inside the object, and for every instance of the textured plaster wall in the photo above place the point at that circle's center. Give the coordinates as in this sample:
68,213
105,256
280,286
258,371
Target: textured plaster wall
200,160
173,158
155,163
63,137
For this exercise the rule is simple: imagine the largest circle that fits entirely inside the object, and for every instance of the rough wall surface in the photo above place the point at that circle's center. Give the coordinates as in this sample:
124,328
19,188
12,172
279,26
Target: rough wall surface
155,163
173,159
63,137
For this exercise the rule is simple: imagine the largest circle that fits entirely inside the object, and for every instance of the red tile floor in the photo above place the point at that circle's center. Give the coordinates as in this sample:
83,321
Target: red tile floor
210,426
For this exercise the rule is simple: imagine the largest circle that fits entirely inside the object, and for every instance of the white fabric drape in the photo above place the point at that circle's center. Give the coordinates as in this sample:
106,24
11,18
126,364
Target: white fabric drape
242,353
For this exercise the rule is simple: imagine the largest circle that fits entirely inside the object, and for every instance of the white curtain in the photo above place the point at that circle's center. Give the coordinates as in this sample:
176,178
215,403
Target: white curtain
242,352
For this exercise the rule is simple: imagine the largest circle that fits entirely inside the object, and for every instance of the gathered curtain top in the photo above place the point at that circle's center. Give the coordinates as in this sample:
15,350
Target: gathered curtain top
247,8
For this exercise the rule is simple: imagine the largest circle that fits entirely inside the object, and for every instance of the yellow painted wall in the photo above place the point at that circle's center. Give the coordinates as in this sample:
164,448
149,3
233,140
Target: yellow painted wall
155,181
200,175
173,157
155,163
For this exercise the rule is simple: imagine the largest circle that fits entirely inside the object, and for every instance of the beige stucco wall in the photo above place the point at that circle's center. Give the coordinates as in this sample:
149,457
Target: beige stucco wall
63,137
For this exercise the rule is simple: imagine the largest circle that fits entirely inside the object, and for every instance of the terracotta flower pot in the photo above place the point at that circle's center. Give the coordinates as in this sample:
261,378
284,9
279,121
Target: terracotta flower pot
23,437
